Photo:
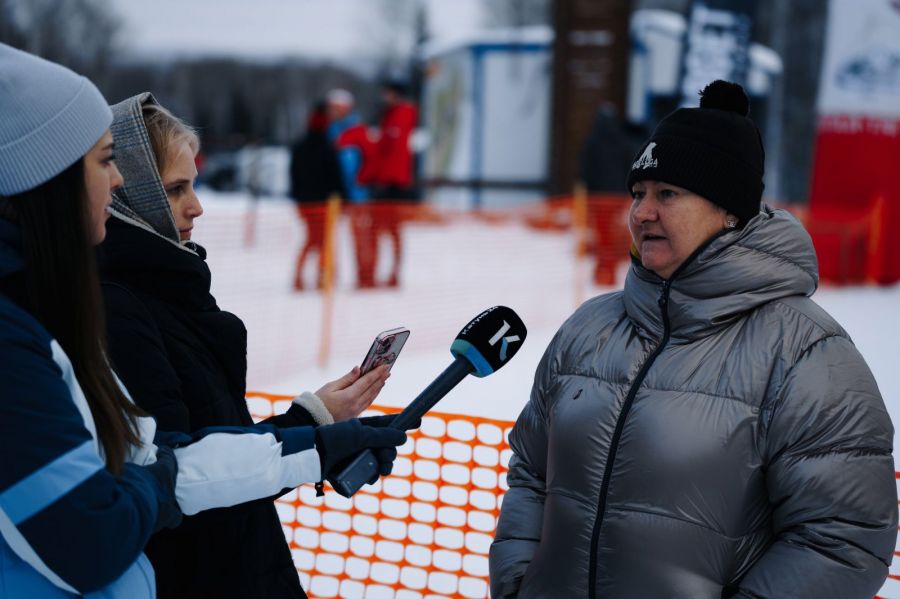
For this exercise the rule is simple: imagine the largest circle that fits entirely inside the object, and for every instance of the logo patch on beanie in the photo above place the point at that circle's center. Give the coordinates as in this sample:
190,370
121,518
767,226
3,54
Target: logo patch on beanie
646,160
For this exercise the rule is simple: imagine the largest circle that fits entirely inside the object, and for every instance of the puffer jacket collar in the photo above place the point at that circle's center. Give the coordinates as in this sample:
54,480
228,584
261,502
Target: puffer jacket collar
141,201
734,272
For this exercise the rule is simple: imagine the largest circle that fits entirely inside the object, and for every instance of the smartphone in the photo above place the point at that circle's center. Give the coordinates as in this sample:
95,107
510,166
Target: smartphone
385,349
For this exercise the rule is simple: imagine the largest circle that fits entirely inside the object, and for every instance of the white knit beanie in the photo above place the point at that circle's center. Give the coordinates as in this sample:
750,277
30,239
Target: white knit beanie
49,118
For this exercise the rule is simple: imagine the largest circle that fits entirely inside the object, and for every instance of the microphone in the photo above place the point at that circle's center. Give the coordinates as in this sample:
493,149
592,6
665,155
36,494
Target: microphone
481,348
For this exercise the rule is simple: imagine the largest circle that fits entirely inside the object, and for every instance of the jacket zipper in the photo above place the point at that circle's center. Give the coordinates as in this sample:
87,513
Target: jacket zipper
663,302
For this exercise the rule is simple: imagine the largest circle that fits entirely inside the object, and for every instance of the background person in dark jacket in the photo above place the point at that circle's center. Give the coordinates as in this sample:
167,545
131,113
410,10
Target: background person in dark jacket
184,360
709,431
315,176
603,163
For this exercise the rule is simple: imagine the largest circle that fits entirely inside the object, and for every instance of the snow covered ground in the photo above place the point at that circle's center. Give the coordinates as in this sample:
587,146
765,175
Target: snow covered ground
451,271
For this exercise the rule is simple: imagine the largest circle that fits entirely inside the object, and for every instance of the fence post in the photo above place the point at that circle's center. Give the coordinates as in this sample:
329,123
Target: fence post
332,215
579,221
874,250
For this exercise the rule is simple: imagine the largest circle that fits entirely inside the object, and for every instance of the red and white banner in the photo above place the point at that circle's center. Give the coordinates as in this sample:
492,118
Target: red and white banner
856,176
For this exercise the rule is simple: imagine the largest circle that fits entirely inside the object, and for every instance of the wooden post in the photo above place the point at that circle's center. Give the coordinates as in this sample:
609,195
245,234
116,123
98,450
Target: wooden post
579,224
874,259
590,67
332,216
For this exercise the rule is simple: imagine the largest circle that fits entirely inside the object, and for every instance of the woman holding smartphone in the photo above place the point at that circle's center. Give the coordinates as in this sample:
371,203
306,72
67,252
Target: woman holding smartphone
184,359
86,477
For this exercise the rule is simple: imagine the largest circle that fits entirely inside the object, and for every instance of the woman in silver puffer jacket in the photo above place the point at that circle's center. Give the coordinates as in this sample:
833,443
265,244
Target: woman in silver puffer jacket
709,431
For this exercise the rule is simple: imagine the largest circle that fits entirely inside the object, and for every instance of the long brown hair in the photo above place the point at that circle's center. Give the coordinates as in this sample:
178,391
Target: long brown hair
64,295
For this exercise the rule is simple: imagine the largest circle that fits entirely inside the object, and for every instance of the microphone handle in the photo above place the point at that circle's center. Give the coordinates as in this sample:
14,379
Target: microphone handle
433,393
364,467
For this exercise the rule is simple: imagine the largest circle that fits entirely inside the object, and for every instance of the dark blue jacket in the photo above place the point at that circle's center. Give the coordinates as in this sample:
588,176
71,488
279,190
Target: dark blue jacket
68,526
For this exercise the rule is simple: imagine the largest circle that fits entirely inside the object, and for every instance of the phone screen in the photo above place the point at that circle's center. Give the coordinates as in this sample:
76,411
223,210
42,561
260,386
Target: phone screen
385,349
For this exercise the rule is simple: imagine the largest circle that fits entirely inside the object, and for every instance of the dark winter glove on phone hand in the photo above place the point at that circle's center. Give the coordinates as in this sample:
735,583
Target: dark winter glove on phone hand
339,442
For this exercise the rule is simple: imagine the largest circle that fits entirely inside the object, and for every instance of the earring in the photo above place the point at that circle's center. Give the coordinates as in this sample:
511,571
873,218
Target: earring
730,222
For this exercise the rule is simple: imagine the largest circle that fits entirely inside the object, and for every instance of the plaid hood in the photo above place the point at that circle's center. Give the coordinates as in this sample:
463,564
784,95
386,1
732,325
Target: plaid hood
141,201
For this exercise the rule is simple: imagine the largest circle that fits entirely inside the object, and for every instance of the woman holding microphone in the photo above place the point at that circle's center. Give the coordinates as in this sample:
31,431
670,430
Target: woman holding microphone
86,477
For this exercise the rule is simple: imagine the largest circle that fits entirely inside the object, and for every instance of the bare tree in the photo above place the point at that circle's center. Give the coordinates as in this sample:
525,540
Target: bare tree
10,33
391,31
81,34
232,100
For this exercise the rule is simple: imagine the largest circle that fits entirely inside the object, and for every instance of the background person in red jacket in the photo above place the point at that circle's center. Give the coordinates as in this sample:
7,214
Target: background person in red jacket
393,176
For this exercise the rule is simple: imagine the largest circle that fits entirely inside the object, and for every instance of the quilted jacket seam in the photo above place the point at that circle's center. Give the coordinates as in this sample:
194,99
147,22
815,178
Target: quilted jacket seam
692,523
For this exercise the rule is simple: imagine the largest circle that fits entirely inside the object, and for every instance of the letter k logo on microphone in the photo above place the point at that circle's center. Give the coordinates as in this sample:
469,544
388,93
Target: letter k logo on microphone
506,340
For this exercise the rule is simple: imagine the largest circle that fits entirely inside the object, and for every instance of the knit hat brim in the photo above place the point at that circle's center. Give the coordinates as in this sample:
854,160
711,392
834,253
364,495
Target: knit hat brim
714,175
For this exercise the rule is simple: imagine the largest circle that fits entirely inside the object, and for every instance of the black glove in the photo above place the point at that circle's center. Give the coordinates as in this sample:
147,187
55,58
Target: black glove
385,455
165,471
386,420
340,442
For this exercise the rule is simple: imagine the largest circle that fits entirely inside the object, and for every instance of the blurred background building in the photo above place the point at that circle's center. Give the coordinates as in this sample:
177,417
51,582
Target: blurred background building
246,74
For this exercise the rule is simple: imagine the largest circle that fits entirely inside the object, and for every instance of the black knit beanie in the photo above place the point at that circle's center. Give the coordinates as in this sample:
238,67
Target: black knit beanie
714,151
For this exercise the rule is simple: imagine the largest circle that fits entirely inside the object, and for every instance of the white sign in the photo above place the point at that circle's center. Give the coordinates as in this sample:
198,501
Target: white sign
861,67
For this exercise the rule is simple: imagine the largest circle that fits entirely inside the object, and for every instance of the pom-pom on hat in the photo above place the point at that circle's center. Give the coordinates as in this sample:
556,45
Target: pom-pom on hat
714,151
49,118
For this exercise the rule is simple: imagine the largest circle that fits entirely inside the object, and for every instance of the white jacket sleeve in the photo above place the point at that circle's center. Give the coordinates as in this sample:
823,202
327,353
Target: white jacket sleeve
227,465
238,464
223,466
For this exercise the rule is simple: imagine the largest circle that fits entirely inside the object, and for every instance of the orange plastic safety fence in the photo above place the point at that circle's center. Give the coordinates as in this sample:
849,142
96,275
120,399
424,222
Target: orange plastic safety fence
424,531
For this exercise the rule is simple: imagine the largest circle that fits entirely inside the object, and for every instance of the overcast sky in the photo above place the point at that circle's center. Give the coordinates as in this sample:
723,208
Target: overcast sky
323,29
